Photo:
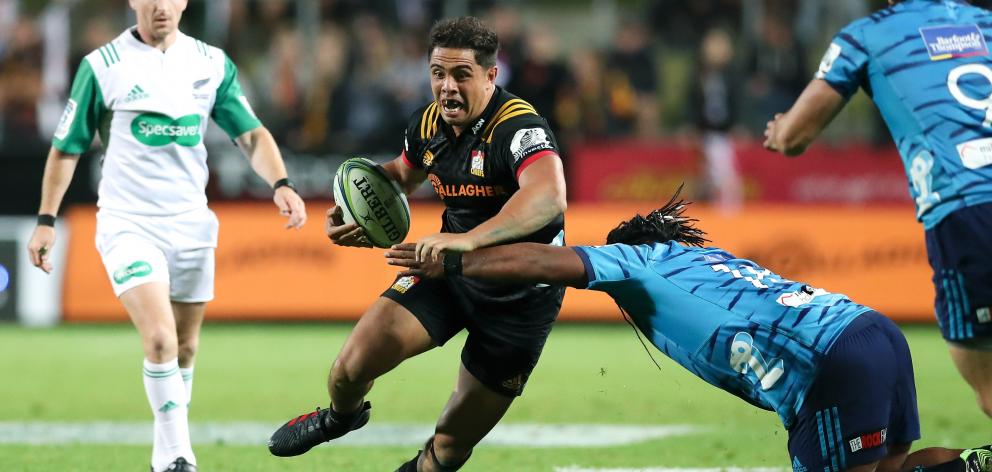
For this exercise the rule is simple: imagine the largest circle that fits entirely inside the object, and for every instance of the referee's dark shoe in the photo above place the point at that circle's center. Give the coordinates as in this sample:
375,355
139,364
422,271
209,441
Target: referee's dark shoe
300,434
178,465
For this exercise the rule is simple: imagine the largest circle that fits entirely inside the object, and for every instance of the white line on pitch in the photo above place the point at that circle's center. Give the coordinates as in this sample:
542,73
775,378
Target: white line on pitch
377,434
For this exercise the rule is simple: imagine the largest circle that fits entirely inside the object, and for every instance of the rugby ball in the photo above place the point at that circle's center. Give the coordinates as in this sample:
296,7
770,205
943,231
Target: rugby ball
373,201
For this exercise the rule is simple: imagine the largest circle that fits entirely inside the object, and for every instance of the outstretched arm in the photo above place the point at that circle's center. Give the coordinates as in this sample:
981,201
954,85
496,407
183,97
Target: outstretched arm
792,132
522,262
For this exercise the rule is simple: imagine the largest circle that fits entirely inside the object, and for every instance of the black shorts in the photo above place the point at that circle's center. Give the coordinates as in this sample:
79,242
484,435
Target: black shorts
505,337
960,252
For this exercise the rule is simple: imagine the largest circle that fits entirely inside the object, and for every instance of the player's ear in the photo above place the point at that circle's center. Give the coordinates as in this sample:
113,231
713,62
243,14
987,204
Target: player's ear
491,74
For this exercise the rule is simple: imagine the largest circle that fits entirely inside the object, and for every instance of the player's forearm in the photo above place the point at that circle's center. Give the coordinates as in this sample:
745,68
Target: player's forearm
59,168
524,263
528,210
815,108
263,154
792,137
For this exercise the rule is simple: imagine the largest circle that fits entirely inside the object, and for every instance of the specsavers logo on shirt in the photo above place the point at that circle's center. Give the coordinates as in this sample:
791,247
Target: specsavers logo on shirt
156,129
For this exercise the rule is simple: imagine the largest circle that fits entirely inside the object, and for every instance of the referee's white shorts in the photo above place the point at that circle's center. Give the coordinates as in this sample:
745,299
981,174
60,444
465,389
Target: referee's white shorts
176,249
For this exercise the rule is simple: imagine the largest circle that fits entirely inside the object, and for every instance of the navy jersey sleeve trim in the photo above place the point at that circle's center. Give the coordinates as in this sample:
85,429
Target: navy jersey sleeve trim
853,42
839,88
590,271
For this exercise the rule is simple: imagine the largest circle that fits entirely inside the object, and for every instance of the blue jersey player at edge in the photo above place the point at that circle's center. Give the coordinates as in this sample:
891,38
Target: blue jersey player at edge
838,374
927,67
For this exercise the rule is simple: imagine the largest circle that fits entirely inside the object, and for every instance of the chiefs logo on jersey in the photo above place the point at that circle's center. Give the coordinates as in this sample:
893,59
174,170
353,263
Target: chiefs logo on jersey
478,163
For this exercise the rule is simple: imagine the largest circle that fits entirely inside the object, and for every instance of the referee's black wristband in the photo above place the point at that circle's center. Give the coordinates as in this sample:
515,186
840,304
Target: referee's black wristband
284,182
46,220
452,263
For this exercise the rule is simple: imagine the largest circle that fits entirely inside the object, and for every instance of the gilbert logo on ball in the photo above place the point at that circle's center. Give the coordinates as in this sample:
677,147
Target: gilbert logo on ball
373,201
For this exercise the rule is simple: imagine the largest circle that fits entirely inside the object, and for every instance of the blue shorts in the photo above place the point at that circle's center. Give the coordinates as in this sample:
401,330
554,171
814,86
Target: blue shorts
960,252
862,399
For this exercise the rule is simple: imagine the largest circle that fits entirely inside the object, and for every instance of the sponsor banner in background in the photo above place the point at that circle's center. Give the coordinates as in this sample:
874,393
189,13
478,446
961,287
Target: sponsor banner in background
633,170
874,255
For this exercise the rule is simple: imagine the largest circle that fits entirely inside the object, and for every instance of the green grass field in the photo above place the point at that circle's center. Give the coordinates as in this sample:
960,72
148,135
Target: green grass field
266,373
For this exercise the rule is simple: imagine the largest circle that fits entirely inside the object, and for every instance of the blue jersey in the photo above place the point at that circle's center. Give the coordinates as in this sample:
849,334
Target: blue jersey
734,324
926,65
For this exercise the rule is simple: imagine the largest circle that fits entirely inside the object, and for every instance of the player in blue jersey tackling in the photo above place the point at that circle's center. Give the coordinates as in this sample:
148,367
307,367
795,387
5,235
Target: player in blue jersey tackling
926,65
838,374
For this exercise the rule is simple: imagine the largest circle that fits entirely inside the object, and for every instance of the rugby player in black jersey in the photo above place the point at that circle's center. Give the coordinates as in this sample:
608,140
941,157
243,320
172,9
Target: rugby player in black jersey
494,163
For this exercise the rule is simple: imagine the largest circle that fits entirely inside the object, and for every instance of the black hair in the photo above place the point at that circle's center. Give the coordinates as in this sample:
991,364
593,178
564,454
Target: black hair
466,32
662,225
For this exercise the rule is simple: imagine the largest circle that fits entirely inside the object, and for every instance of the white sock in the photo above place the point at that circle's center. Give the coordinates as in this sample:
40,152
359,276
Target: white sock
167,398
187,373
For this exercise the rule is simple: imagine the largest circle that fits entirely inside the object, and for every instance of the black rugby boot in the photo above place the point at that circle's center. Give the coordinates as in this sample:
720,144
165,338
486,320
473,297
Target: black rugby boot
302,433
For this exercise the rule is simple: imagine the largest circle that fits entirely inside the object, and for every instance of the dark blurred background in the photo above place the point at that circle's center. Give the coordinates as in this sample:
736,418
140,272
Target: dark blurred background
337,78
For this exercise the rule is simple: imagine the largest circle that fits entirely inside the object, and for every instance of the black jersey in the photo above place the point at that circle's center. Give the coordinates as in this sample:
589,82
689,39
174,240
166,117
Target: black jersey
476,173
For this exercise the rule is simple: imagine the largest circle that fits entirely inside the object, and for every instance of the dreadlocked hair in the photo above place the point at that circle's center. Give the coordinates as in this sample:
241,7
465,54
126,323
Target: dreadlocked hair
661,225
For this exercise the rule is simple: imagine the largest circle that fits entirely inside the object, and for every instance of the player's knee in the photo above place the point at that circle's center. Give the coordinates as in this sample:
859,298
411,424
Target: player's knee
160,345
187,349
350,369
